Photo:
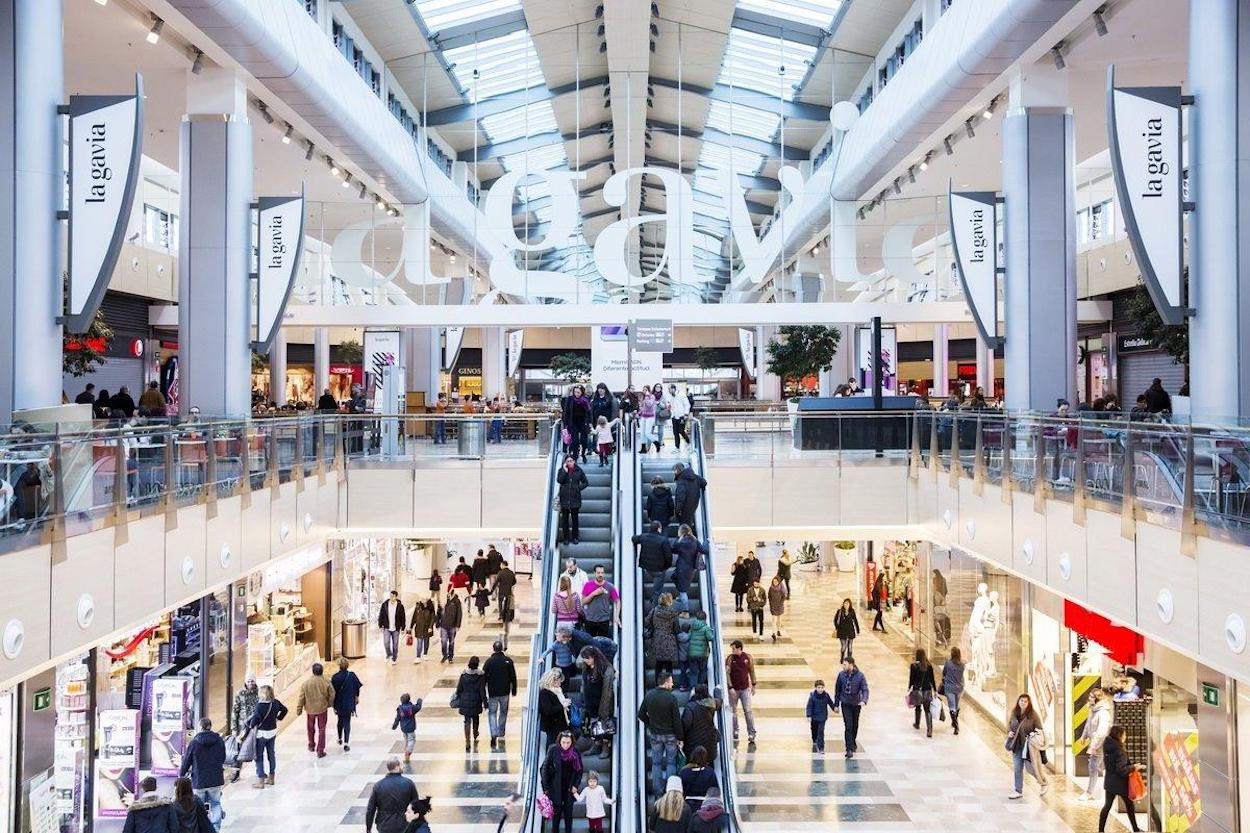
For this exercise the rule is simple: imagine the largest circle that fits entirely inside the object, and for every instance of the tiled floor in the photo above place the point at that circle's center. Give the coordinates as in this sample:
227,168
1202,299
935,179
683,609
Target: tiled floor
330,794
899,780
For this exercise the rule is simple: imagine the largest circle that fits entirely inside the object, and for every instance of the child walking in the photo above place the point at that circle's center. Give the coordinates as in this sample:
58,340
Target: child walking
605,442
481,598
406,722
819,704
595,798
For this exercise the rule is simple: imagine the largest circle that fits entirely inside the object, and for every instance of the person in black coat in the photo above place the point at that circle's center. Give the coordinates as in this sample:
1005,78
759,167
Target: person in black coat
655,556
347,688
921,685
102,408
602,404
122,401
686,551
205,759
572,482
1115,759
561,773
1157,399
659,503
698,721
327,404
189,811
471,699
741,583
480,570
575,417
500,673
390,800
846,627
688,490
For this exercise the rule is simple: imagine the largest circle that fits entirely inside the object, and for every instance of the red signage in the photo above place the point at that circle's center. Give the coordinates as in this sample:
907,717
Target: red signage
1123,645
136,348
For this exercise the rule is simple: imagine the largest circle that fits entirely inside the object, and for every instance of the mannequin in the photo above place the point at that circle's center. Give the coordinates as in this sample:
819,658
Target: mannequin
982,633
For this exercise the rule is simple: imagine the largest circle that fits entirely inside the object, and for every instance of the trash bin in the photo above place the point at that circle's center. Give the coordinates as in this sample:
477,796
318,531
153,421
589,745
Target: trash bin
471,442
707,424
354,638
543,426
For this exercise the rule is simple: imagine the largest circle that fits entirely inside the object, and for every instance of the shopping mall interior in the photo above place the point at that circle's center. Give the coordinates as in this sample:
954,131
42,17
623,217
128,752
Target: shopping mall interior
909,329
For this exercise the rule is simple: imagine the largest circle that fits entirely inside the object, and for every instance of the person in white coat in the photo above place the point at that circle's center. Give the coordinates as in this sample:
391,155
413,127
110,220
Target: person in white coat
679,404
1097,727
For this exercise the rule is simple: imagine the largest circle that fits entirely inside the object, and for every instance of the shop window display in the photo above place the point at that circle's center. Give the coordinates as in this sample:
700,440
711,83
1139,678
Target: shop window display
281,629
8,763
69,778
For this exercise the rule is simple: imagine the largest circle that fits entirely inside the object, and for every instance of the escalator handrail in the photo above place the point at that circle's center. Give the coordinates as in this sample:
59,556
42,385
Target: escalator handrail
620,811
633,697
716,647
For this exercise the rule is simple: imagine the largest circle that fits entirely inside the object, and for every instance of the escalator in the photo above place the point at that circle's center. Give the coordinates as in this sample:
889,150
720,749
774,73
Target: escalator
599,535
702,597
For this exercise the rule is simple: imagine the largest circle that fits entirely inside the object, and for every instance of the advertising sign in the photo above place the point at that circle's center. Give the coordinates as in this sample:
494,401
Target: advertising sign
887,361
611,360
170,718
105,141
381,350
118,762
451,347
280,224
1144,132
1176,762
974,237
516,343
746,346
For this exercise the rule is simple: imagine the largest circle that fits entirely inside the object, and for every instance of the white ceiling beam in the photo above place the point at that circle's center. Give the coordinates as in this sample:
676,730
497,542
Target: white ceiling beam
626,30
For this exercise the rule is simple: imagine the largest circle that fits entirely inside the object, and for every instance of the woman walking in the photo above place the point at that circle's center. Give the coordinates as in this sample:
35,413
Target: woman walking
776,605
1119,768
561,774
740,584
663,413
920,688
347,688
846,627
880,598
572,482
265,718
1020,743
784,569
757,597
662,625
953,684
470,698
646,421
423,616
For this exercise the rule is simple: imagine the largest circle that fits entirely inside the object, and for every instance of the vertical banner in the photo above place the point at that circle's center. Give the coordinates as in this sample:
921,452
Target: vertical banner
516,343
280,231
170,719
381,350
451,346
117,765
746,346
105,141
974,237
1144,134
887,361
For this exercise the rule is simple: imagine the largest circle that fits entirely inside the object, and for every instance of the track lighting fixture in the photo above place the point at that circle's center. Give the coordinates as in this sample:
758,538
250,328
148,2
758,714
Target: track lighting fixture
381,206
988,112
197,66
897,188
102,2
603,46
972,134
334,169
1100,22
655,30
286,136
264,112
154,34
911,174
924,163
362,190
946,143
347,179
308,151
451,257
1056,54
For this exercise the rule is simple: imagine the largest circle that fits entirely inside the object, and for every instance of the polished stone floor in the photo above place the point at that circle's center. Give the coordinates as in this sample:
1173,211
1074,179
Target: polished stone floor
899,780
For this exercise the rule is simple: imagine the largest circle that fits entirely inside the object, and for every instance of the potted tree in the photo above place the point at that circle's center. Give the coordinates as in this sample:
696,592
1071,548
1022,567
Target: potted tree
844,555
802,351
570,367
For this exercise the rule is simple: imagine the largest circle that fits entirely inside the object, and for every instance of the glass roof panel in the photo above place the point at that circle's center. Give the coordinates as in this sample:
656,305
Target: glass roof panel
537,159
504,64
740,161
741,120
816,12
523,121
765,63
441,14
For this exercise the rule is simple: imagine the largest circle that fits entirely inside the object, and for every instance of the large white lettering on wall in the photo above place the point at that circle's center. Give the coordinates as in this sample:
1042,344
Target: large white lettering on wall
974,237
105,140
1144,131
280,226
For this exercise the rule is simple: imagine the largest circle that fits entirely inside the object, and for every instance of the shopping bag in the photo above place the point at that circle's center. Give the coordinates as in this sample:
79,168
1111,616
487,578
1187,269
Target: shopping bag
575,715
603,727
566,437
408,640
455,701
1136,786
937,709
913,699
247,747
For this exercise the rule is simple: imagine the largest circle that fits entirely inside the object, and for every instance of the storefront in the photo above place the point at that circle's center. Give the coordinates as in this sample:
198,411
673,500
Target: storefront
8,761
287,611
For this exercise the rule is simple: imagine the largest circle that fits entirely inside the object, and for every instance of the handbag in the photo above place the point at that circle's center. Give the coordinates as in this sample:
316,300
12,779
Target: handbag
913,699
1136,786
247,747
575,715
545,808
566,437
455,701
408,640
603,727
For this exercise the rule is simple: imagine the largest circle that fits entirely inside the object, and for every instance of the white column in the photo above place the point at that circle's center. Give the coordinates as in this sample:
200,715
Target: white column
1040,231
321,360
768,385
423,360
31,178
941,361
843,366
277,369
494,363
985,367
214,251
1219,182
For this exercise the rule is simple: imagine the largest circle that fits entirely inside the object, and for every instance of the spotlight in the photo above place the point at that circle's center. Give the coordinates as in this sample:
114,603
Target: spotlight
197,66
816,250
362,190
911,175
347,180
946,143
603,46
264,111
897,188
392,212
286,137
334,169
972,134
154,34
655,30
381,206
988,112
308,152
103,2
1056,54
1100,23
924,163
451,257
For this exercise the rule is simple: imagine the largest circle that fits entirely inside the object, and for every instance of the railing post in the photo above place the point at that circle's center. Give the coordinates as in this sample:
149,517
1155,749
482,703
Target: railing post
209,498
244,487
56,529
1128,506
171,482
957,466
1041,482
118,511
271,470
935,448
914,467
340,455
978,461
1079,492
1008,478
319,448
297,467
1189,522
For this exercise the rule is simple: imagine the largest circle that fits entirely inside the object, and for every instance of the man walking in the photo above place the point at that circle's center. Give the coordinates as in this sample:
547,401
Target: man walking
655,556
505,584
392,618
659,713
688,489
740,671
150,812
448,624
205,760
500,673
850,694
601,605
391,799
316,696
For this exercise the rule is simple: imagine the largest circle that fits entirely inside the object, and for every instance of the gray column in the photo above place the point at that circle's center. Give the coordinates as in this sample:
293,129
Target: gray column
767,385
277,369
321,360
494,363
985,367
941,361
423,360
1041,257
32,84
214,321
1219,228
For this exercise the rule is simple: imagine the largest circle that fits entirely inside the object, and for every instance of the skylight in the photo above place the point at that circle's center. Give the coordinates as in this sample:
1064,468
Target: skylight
814,12
742,121
504,65
538,159
442,14
529,120
765,63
